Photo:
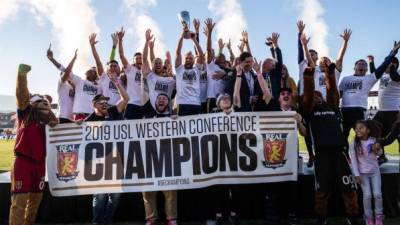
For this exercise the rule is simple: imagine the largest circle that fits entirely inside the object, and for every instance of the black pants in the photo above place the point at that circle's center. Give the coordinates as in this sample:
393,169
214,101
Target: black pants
187,110
350,116
224,199
387,119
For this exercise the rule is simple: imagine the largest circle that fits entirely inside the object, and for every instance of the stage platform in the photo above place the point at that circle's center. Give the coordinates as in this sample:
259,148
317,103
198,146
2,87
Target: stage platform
194,205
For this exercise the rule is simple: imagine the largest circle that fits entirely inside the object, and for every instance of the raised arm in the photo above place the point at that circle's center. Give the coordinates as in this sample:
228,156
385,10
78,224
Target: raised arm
381,69
309,87
21,90
263,84
346,37
51,58
279,64
221,46
208,31
67,72
93,42
114,38
196,24
304,42
371,63
245,40
394,74
146,66
200,59
231,54
332,92
178,56
151,47
121,104
300,28
120,35
237,86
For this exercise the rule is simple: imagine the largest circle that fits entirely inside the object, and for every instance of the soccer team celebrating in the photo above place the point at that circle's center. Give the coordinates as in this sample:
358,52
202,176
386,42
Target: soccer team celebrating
206,81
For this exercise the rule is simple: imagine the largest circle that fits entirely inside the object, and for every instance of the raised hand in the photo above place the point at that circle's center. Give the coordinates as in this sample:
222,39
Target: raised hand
241,46
274,39
148,35
229,45
114,38
168,56
370,58
76,54
396,45
121,34
221,44
92,39
209,25
257,66
300,26
245,37
49,53
346,35
196,24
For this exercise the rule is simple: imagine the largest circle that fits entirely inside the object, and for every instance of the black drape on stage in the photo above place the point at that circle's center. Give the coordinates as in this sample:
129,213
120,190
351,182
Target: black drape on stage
193,204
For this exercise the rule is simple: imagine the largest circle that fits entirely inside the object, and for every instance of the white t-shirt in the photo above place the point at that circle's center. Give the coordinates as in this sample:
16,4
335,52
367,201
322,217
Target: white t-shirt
319,78
65,99
355,90
157,85
109,89
203,84
135,87
66,94
84,92
187,85
389,94
215,87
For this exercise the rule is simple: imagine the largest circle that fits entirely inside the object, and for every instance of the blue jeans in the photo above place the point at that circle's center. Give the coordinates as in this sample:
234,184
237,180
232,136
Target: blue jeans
104,206
371,188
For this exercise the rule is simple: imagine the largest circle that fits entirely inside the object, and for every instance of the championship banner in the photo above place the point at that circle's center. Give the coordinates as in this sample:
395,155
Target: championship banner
171,154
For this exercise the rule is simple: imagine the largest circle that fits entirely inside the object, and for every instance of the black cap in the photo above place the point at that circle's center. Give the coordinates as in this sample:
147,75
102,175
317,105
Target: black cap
100,97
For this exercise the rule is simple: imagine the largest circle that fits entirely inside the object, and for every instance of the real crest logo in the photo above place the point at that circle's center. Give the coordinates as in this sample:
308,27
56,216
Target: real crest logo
274,150
67,162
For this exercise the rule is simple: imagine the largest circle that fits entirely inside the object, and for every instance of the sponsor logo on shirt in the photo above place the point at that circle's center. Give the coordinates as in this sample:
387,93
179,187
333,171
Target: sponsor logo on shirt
71,93
383,83
90,89
203,77
112,87
321,81
138,77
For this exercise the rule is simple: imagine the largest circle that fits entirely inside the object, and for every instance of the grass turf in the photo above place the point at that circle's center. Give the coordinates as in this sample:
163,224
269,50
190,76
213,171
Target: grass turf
6,151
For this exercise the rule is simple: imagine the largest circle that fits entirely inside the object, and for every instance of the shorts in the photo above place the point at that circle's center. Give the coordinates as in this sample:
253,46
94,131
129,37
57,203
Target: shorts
332,168
27,175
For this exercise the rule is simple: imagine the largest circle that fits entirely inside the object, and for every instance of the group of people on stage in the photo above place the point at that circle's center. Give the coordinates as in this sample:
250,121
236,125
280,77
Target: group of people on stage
206,81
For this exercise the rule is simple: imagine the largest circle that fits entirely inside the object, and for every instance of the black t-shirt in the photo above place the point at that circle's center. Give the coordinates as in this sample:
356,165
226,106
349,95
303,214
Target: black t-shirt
273,105
113,114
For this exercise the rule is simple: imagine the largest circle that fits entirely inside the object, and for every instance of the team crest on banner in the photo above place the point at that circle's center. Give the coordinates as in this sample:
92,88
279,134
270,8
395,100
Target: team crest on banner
274,150
67,162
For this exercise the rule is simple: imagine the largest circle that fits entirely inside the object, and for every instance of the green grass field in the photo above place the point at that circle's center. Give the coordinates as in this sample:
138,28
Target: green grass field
6,148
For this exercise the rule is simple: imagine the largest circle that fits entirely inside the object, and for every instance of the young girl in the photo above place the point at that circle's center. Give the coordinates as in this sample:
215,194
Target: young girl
364,160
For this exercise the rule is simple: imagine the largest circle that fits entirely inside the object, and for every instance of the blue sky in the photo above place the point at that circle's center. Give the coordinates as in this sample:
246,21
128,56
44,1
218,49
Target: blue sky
23,39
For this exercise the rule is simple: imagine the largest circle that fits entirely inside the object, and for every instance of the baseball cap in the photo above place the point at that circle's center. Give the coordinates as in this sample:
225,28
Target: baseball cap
100,97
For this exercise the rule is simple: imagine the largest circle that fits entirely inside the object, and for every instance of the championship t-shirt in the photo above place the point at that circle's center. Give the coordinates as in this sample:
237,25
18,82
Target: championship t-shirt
319,78
109,89
389,94
187,86
84,92
355,90
66,94
215,87
159,84
135,87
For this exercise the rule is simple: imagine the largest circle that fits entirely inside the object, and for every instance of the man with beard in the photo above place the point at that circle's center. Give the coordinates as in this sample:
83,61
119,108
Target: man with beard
157,81
331,163
113,72
188,77
28,169
138,97
354,90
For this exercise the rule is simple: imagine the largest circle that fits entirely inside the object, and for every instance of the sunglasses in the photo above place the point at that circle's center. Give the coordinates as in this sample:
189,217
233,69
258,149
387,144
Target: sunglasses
102,102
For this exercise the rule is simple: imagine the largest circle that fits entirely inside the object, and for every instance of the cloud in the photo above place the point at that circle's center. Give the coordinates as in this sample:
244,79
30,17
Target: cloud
230,20
8,9
312,12
141,21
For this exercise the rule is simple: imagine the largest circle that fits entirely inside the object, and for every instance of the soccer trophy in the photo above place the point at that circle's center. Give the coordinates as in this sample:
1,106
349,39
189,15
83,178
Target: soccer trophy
184,18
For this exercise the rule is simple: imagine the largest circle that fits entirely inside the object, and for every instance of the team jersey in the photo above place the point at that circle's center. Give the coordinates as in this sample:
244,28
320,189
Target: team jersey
135,86
188,86
84,93
355,89
215,87
109,89
159,84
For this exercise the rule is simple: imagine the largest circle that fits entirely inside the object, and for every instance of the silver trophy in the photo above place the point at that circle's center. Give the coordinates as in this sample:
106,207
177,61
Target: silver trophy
184,18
